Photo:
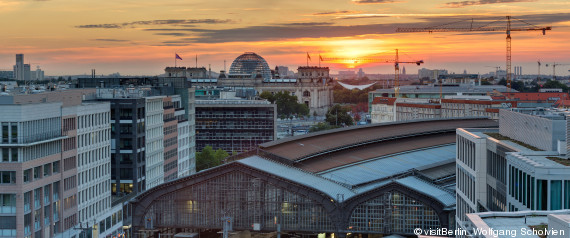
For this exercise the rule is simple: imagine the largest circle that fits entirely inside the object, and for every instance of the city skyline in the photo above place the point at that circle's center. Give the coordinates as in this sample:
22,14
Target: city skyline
141,38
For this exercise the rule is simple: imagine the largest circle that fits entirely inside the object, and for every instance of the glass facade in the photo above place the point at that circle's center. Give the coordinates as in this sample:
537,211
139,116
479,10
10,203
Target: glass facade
246,199
250,63
393,212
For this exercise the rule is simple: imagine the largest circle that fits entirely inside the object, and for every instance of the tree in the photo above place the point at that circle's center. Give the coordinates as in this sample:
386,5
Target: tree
268,96
287,105
209,158
338,115
357,117
321,126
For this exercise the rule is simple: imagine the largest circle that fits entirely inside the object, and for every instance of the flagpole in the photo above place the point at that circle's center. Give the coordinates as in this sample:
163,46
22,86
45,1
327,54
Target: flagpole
319,60
175,59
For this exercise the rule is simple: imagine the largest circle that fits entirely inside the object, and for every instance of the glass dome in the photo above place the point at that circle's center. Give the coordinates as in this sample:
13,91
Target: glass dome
250,63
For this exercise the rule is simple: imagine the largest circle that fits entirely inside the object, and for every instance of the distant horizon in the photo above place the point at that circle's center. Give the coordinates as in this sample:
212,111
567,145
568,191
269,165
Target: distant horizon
71,38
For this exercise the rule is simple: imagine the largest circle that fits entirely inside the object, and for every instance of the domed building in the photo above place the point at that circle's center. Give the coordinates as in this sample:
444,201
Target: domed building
312,85
250,64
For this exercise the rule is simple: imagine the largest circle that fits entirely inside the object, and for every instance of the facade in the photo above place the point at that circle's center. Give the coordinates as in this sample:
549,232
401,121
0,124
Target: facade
6,74
383,110
55,163
93,141
413,111
181,96
506,170
21,70
154,141
234,125
474,108
313,86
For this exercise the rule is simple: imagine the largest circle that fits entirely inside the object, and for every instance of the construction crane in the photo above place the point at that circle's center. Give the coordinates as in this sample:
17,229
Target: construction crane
485,28
554,69
396,61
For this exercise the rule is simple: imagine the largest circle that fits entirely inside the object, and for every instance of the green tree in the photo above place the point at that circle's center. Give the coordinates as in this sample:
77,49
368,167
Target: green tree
209,158
268,96
338,115
287,105
321,126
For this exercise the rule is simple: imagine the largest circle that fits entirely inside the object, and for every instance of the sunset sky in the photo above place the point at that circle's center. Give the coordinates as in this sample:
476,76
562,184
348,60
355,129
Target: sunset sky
140,37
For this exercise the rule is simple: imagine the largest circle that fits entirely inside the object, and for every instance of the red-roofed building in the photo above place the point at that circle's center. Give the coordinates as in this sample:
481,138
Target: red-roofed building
382,110
473,108
534,97
411,111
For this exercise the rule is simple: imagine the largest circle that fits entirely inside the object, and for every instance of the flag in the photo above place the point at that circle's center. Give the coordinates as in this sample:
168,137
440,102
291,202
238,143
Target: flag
308,56
178,56
321,58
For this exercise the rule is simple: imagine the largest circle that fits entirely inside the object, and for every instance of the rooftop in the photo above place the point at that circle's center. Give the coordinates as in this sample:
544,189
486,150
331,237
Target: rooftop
388,166
465,88
305,147
513,224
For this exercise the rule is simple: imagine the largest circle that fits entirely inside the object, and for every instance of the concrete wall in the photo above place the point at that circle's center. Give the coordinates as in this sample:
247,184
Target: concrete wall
539,132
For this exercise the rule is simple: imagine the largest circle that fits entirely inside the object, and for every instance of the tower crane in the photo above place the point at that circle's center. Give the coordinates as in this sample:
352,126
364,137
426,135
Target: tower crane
396,61
487,27
554,69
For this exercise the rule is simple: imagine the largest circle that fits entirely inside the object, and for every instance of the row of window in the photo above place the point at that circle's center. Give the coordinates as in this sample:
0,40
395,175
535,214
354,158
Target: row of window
38,151
170,129
9,155
41,171
93,138
69,124
466,151
170,142
7,177
466,184
496,166
110,221
97,119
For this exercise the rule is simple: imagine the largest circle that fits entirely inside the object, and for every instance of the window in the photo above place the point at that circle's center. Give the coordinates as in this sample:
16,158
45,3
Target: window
47,170
27,174
7,203
55,167
14,133
7,177
4,132
56,191
555,195
37,172
5,155
27,200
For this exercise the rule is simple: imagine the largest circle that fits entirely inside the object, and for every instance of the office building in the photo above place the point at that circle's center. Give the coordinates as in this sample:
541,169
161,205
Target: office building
520,166
234,125
55,165
21,70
